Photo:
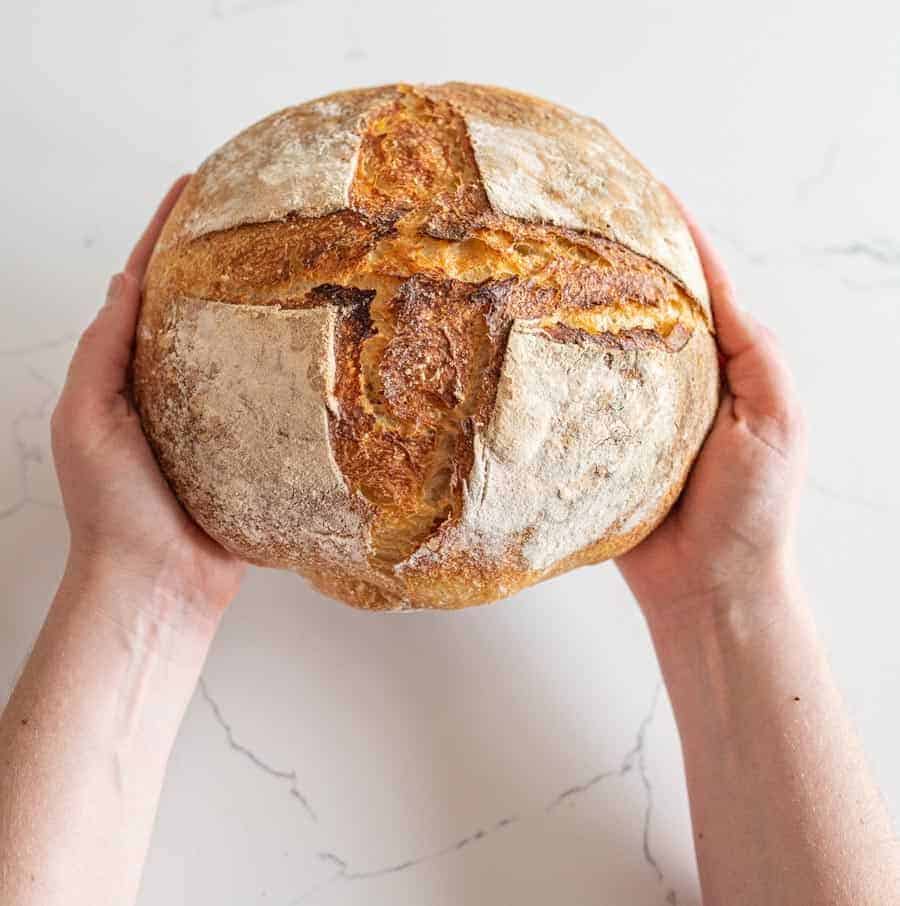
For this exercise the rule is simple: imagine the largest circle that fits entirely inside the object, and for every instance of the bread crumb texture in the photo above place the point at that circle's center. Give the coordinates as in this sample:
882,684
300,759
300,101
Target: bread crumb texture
425,345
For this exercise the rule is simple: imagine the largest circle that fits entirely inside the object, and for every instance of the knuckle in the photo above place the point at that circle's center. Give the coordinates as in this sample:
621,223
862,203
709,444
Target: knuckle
59,417
67,422
90,334
62,425
60,432
720,286
56,426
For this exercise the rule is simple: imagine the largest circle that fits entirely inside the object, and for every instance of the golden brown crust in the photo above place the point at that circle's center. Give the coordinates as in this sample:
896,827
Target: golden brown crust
365,328
299,161
257,264
276,263
415,376
462,578
416,164
542,162
630,339
234,403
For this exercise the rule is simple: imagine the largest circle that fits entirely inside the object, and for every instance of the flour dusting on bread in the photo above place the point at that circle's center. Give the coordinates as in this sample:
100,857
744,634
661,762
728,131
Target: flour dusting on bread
425,345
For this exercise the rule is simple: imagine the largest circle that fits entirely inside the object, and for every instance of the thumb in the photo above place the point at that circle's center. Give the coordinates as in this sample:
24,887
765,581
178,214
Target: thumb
756,371
99,368
735,329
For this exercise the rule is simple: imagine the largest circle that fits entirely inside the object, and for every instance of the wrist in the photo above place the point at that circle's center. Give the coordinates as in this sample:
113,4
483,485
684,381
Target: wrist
740,605
171,619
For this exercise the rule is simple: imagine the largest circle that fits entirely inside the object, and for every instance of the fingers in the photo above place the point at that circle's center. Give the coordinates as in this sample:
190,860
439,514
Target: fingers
757,372
140,255
99,368
759,378
735,329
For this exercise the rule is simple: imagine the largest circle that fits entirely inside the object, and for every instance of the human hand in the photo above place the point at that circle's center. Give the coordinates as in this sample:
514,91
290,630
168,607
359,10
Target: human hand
731,530
123,518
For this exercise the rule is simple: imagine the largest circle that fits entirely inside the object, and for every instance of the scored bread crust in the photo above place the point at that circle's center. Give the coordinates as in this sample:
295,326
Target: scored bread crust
425,345
541,162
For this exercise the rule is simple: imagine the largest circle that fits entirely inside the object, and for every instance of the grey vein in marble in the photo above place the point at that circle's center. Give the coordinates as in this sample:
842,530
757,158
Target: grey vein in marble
634,753
825,491
251,756
869,286
43,346
881,251
345,874
635,757
753,256
580,788
878,260
26,453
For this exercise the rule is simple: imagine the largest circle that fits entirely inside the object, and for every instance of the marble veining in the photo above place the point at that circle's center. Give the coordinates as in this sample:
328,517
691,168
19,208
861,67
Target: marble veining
30,452
633,759
290,776
522,752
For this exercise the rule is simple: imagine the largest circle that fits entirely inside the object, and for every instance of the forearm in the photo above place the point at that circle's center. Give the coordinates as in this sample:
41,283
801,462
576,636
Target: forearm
784,809
85,738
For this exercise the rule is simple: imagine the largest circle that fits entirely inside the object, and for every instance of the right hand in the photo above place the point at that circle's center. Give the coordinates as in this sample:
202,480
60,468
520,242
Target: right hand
731,531
126,524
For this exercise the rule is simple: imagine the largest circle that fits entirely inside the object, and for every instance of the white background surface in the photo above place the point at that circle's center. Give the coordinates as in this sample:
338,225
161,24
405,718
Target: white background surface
778,123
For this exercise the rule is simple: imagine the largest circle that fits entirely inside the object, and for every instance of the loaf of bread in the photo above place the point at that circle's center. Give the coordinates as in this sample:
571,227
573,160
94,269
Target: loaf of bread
425,345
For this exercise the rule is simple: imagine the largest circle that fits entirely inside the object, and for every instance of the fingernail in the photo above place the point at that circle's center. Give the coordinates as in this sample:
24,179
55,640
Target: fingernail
114,289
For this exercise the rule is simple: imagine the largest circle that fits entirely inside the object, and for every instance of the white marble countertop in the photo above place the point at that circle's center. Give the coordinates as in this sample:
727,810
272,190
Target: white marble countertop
523,752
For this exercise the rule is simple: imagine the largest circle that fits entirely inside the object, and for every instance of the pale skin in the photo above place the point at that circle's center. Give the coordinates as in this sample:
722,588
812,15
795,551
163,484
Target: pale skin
784,809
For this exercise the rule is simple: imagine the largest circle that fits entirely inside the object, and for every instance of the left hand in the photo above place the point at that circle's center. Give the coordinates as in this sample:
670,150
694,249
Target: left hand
729,538
123,517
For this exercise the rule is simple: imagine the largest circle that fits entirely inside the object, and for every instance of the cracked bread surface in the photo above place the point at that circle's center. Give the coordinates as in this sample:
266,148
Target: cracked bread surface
425,345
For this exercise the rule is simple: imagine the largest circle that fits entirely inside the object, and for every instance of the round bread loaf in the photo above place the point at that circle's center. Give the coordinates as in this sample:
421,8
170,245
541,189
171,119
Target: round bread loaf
425,345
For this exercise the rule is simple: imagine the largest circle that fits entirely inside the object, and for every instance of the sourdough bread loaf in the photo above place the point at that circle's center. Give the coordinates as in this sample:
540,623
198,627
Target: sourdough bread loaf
425,345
